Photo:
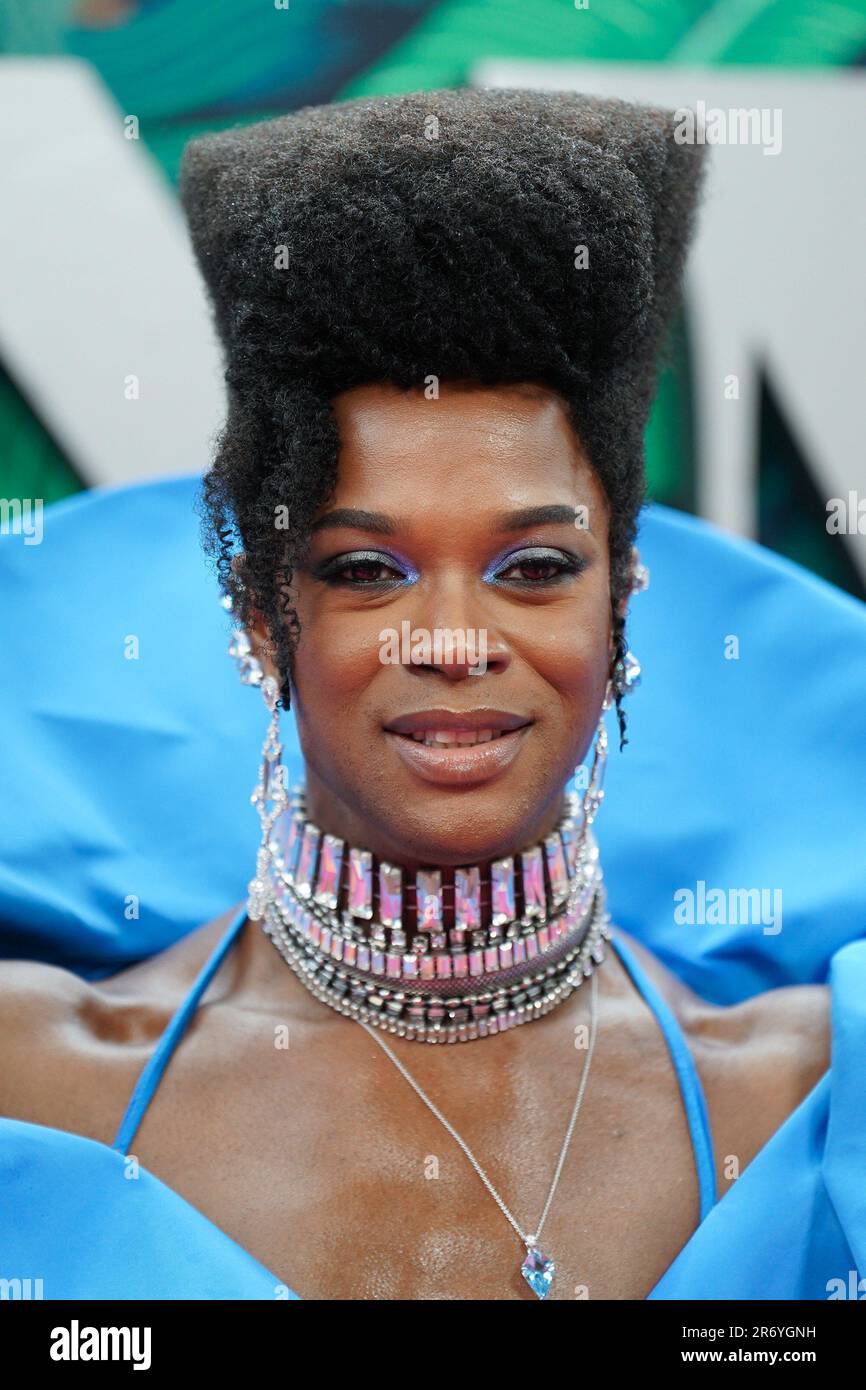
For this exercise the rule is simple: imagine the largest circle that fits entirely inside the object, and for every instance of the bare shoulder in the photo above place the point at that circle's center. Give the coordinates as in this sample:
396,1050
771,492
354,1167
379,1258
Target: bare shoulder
794,1019
70,1045
757,1060
37,1001
43,1033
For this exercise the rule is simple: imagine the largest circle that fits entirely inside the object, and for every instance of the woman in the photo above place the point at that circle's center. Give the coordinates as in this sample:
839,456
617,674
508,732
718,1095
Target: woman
442,315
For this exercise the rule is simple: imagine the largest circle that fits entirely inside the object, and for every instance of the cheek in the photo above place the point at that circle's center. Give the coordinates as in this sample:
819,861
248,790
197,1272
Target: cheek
568,652
336,659
569,655
568,645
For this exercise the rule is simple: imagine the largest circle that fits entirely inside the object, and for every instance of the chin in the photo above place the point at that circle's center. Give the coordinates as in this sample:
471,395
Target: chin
451,827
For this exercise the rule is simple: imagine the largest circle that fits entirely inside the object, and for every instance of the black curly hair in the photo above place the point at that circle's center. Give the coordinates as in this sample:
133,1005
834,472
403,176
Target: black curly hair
432,234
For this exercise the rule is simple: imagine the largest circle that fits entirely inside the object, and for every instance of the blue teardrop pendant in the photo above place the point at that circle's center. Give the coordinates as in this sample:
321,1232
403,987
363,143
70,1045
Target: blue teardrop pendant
538,1270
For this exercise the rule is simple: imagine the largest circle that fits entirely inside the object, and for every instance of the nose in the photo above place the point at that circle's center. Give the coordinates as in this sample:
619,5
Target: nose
456,640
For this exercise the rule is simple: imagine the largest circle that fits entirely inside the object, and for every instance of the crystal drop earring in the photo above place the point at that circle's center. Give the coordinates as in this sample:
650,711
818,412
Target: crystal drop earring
624,678
594,794
270,794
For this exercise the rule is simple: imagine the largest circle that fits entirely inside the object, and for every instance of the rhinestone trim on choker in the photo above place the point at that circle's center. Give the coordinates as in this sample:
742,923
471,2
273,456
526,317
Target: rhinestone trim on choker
432,1019
455,980
325,872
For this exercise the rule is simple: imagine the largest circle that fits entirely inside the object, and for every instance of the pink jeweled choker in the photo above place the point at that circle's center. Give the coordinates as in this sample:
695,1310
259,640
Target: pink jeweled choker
486,953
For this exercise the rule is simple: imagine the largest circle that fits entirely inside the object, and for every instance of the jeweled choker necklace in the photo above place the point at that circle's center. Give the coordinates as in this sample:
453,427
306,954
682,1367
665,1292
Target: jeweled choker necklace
444,955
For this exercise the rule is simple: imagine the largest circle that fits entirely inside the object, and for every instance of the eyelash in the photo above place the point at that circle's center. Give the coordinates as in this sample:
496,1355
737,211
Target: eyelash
335,571
565,566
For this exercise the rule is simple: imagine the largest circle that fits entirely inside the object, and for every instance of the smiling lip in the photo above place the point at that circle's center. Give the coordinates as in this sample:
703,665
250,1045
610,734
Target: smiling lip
455,747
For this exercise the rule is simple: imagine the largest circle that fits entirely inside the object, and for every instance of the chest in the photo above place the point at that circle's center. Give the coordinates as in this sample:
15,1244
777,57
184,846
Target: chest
330,1170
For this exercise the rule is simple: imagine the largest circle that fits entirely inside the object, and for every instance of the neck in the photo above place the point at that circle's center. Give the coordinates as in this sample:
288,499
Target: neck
443,846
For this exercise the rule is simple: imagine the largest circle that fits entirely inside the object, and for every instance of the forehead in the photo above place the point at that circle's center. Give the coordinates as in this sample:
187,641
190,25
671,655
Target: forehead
512,440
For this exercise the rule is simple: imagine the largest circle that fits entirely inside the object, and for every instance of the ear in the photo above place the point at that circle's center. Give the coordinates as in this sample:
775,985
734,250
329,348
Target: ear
621,610
637,583
258,631
262,644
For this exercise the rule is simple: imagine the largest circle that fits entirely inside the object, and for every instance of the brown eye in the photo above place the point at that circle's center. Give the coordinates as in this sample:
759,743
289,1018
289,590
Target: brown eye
365,571
536,571
538,567
361,570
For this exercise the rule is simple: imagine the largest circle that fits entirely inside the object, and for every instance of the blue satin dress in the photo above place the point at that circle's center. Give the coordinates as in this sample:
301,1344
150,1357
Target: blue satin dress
125,823
103,1233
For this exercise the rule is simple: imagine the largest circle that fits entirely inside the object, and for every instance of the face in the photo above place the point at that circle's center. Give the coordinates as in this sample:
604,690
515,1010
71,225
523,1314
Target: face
475,515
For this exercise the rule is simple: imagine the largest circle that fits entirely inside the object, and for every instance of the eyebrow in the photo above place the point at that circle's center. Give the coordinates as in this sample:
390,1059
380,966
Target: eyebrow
359,520
377,522
538,516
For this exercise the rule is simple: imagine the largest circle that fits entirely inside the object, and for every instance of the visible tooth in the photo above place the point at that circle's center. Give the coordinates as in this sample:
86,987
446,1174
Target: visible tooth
456,738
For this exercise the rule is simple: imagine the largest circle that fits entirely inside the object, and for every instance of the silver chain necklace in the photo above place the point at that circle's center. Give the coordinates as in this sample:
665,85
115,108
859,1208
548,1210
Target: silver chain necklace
537,1268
